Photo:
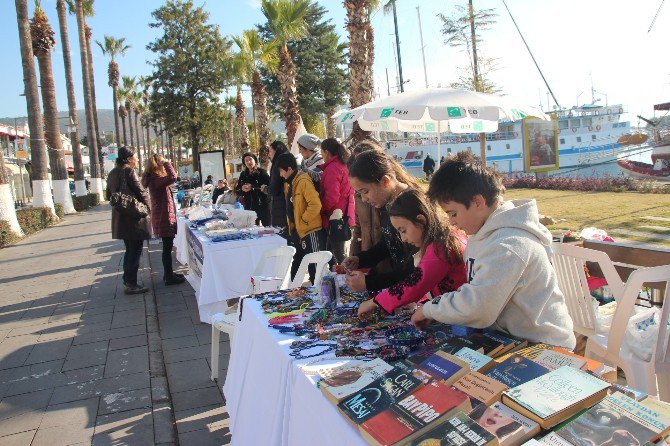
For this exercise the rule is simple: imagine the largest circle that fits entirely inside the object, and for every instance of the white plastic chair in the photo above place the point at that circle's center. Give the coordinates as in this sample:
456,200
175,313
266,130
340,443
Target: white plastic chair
612,349
569,262
321,259
227,322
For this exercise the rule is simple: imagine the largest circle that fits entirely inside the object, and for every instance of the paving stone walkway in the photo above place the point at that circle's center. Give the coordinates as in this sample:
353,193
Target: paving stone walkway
81,363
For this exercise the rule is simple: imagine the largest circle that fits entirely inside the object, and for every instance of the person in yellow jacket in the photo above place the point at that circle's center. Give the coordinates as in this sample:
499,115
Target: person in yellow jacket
303,212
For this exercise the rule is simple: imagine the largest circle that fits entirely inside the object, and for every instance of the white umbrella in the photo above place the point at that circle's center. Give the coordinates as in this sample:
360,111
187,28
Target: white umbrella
439,110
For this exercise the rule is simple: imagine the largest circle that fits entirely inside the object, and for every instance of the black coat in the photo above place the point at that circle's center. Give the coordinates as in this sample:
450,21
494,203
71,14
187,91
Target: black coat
255,200
275,192
124,228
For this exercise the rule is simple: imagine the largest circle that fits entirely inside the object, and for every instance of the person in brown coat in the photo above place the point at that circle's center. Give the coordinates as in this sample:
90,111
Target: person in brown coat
133,232
157,177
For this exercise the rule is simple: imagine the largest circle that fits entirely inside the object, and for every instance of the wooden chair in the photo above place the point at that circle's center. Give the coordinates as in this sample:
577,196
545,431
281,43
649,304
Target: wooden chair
569,262
227,322
612,349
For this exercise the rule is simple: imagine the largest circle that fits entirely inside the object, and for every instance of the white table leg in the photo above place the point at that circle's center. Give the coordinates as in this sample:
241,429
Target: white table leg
215,352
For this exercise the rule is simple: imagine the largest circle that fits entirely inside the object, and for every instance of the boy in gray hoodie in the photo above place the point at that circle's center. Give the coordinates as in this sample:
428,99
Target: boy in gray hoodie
511,284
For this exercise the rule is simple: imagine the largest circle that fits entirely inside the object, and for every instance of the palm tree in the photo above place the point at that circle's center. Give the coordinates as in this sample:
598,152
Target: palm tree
241,120
43,41
127,88
41,190
286,20
136,101
122,114
229,104
96,181
114,47
79,181
361,58
7,209
145,83
253,54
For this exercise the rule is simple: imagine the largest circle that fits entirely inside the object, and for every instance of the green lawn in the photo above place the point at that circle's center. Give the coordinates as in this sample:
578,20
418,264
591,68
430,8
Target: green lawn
604,210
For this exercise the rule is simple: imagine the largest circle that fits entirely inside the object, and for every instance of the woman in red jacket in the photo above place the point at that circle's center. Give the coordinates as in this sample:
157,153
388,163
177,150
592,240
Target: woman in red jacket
157,177
335,191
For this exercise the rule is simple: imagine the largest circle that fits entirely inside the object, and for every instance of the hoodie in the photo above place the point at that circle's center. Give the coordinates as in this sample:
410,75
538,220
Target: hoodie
511,284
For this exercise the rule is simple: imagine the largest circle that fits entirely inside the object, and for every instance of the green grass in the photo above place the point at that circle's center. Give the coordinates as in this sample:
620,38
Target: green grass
604,210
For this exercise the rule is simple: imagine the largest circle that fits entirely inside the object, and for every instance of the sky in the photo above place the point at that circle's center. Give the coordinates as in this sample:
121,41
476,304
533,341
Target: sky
577,44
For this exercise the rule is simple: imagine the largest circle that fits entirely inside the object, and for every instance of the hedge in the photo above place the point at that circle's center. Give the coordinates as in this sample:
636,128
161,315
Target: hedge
84,202
31,220
59,210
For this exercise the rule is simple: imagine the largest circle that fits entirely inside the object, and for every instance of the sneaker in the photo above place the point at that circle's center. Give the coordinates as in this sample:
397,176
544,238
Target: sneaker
174,279
135,289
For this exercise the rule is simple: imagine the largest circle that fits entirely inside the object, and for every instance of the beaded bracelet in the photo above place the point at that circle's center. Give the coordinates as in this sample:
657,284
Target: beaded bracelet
298,355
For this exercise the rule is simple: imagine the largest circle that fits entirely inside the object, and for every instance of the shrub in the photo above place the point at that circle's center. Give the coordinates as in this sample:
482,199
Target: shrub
59,210
7,236
93,199
586,184
32,220
85,202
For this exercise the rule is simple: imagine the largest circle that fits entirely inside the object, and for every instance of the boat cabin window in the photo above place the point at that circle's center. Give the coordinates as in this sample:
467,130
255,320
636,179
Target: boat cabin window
574,123
579,139
563,124
448,149
562,141
593,137
507,146
488,147
587,122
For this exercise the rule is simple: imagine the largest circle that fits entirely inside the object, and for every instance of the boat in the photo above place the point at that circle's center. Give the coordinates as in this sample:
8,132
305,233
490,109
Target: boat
588,134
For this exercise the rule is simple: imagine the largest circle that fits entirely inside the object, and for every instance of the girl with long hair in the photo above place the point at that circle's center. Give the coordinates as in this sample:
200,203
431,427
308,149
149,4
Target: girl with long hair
335,192
157,177
439,262
251,188
378,179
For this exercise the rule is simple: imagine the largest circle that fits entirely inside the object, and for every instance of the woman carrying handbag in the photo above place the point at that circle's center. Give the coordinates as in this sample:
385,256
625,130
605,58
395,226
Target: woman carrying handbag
129,202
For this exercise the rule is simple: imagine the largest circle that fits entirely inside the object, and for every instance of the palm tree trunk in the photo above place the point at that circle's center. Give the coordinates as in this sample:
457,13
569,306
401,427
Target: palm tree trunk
115,99
79,182
7,209
96,183
137,136
94,103
41,189
286,75
231,135
148,138
123,123
361,58
260,98
129,110
61,188
241,118
330,123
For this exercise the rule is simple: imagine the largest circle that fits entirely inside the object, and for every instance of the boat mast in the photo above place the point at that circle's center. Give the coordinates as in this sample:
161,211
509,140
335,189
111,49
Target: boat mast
423,52
474,45
531,55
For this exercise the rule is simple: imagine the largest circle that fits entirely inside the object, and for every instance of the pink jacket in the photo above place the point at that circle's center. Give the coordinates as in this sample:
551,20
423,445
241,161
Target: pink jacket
433,274
335,191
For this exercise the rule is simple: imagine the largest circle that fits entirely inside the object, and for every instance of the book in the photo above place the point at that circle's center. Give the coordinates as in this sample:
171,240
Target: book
553,439
660,409
516,370
414,414
555,396
608,422
491,347
445,367
529,352
637,395
456,343
379,395
458,430
347,379
478,362
481,389
601,370
509,426
552,359
421,355
510,343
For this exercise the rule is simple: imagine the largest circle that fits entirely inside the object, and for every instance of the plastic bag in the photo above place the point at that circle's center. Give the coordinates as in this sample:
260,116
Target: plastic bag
592,233
642,331
604,316
242,219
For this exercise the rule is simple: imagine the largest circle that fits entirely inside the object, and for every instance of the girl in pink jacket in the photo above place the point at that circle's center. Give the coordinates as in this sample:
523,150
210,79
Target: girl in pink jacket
439,265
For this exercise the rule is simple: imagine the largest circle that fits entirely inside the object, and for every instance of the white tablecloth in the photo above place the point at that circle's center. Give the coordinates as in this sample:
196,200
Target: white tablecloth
180,240
222,271
268,397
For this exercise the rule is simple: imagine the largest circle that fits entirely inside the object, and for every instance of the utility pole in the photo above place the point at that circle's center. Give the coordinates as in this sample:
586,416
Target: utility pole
423,52
474,45
397,46
388,85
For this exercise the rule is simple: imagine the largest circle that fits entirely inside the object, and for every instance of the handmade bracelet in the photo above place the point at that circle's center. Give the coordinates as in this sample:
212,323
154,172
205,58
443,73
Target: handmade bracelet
297,353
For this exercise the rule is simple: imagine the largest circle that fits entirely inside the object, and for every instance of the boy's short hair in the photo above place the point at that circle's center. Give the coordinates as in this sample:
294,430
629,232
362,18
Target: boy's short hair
286,160
463,176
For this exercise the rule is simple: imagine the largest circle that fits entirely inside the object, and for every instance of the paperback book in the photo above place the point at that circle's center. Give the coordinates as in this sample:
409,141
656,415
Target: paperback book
516,370
491,347
510,343
601,370
347,379
552,360
445,367
555,396
478,362
509,426
458,430
454,344
481,389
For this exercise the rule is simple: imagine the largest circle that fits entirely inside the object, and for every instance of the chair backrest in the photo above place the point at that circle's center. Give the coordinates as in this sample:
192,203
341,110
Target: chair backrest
282,256
569,262
321,259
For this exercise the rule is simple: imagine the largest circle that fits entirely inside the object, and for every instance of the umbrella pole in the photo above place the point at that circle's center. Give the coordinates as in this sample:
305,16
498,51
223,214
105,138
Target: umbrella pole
439,144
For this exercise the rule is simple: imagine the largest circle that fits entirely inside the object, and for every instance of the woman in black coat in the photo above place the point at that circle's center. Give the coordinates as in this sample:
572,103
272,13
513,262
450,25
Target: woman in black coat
251,188
133,232
276,188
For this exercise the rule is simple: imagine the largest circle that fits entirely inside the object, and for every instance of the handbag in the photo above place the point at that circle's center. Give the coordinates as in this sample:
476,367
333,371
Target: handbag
339,230
125,202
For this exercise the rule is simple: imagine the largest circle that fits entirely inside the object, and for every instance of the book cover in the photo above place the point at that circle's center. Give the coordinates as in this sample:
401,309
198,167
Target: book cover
454,344
598,368
421,355
552,360
652,413
491,347
500,424
510,343
446,367
410,416
516,370
553,439
458,430
529,352
347,379
529,427
554,396
379,395
480,388
478,362
607,423
637,395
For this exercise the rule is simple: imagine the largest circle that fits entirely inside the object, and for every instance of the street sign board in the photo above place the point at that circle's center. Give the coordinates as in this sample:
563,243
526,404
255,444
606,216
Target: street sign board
21,154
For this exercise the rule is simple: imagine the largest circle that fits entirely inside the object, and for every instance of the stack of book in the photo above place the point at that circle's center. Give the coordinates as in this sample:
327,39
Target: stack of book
490,388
